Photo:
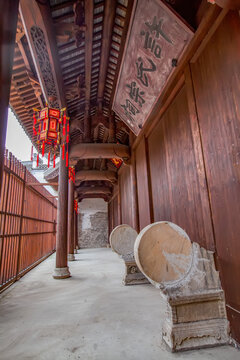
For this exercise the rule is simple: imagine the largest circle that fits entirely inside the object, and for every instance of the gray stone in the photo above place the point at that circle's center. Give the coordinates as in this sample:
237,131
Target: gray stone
191,293
122,240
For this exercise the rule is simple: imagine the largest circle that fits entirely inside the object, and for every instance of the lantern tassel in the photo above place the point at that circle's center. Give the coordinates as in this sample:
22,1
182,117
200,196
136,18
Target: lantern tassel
43,148
48,159
37,159
63,150
54,159
67,158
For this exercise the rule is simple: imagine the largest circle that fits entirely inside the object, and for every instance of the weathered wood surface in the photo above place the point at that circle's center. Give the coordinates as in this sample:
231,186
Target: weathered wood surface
155,43
174,178
27,222
144,206
70,234
125,184
217,92
61,270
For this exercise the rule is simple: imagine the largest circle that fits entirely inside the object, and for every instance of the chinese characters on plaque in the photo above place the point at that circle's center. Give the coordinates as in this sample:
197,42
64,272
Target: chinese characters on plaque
156,40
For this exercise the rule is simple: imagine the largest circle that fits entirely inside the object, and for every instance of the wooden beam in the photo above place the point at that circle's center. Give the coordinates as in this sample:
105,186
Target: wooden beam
8,25
109,14
89,5
88,47
123,40
94,190
45,184
36,14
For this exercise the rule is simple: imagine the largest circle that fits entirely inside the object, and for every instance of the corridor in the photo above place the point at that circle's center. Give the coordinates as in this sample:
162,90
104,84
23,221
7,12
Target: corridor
90,316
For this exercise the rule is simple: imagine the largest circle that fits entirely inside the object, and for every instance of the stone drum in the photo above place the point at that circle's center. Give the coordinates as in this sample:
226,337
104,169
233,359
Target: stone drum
189,285
122,240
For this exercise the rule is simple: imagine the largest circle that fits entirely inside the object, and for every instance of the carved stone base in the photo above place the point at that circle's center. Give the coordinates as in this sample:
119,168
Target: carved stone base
71,257
133,275
75,251
61,273
196,321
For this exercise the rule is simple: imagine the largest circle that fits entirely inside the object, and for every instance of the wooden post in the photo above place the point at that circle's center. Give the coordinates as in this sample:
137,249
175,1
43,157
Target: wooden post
61,270
76,231
71,256
134,194
8,25
112,128
134,199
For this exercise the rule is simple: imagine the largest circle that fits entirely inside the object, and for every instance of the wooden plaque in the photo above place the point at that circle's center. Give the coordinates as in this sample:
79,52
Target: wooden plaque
156,40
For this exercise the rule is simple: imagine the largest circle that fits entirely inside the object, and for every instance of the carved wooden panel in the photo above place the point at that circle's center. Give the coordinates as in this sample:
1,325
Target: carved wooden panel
45,65
156,40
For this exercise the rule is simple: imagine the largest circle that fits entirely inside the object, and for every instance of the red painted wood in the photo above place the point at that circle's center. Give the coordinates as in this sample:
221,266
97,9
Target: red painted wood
217,89
27,222
174,180
142,185
126,196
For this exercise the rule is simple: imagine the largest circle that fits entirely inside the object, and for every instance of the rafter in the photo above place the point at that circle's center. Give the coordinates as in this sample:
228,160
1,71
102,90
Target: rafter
109,13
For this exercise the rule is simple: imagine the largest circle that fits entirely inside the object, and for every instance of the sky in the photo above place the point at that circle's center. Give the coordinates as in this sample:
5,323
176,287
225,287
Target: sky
17,142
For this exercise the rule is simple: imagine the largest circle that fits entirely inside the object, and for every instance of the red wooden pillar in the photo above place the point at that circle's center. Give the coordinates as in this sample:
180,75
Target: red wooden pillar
76,230
71,256
61,270
8,25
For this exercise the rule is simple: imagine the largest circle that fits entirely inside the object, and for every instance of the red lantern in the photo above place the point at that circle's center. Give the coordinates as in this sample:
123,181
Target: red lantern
71,174
48,124
76,206
117,162
46,127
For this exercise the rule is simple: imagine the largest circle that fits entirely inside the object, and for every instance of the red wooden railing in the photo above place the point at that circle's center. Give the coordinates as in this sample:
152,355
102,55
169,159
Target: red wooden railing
27,222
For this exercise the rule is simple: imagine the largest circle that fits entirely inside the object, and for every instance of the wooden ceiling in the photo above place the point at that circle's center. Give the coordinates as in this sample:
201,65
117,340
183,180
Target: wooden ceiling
90,37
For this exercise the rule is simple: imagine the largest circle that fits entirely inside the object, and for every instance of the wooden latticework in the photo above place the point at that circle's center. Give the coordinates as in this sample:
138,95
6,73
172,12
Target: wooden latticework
27,222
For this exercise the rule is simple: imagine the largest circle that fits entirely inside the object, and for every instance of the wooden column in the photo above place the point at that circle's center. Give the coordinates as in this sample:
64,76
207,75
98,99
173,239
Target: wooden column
61,270
71,256
76,231
134,195
112,128
8,25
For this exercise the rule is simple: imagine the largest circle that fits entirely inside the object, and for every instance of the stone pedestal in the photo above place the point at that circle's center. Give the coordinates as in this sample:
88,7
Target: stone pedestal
71,257
61,273
122,240
133,275
195,314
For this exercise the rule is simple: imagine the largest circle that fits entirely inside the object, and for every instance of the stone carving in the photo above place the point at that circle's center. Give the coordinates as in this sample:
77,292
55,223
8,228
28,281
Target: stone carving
189,286
122,240
45,65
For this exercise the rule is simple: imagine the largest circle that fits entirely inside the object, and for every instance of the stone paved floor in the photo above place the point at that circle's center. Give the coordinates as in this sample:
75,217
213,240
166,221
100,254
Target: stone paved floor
90,316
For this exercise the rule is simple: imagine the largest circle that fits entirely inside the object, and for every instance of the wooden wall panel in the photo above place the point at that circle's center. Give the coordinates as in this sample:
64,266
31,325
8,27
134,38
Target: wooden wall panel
142,185
110,217
126,196
115,211
216,78
174,180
